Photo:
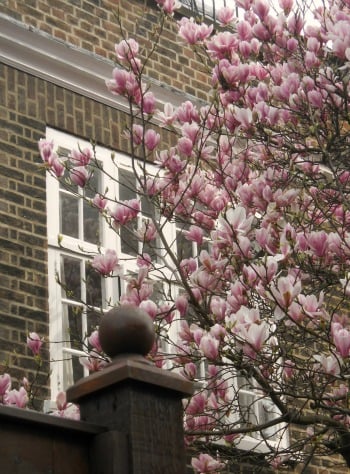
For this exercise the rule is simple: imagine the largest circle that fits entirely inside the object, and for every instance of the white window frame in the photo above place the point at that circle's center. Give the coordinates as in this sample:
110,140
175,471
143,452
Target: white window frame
77,248
60,245
207,8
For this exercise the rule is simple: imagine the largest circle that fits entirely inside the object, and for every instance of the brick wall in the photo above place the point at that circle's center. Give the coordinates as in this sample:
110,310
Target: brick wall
92,25
27,105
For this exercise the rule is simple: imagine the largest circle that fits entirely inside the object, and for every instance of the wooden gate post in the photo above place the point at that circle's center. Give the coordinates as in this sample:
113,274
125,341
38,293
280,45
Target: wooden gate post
140,404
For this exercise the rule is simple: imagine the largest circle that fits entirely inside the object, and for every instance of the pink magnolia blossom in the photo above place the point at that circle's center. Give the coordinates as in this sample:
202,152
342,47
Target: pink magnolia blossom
187,113
313,44
191,131
151,139
94,341
261,32
125,211
50,158
204,280
244,30
80,175
56,166
144,260
288,369
205,463
276,462
225,16
124,83
19,398
185,146
193,32
209,346
218,307
244,117
64,409
329,364
184,332
286,5
268,270
100,202
261,8
292,44
318,242
197,333
148,103
189,30
195,234
197,404
150,308
147,232
238,220
81,157
245,4
341,339
218,331
311,305
222,44
169,6
93,361
295,24
181,304
166,312
46,149
345,283
137,134
256,335
105,264
286,291
169,115
61,401
5,384
190,371
127,49
34,342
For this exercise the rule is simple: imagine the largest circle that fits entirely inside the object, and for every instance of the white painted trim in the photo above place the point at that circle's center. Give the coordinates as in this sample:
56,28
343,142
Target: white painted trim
37,53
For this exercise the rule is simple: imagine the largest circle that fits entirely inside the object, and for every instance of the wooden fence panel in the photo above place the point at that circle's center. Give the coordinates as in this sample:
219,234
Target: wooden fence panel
34,443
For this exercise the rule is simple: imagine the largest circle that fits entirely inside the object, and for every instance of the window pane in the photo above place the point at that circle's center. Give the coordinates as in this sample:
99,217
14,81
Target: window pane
93,320
69,215
147,207
73,370
127,185
94,184
267,412
129,242
91,224
152,246
184,246
75,327
71,277
93,287
247,403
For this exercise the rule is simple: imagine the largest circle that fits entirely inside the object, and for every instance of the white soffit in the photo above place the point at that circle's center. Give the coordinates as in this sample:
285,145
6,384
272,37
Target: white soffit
30,50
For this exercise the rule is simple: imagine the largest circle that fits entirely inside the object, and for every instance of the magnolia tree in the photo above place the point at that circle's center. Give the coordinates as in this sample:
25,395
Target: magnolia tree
253,305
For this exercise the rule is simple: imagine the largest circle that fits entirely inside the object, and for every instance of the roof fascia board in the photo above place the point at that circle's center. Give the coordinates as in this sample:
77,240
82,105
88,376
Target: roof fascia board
38,54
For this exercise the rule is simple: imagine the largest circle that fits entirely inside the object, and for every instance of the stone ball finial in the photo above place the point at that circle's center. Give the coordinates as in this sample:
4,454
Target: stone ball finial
126,330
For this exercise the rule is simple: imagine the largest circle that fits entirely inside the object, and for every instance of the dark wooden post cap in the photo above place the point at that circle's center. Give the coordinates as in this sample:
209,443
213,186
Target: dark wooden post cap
126,335
126,330
139,404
